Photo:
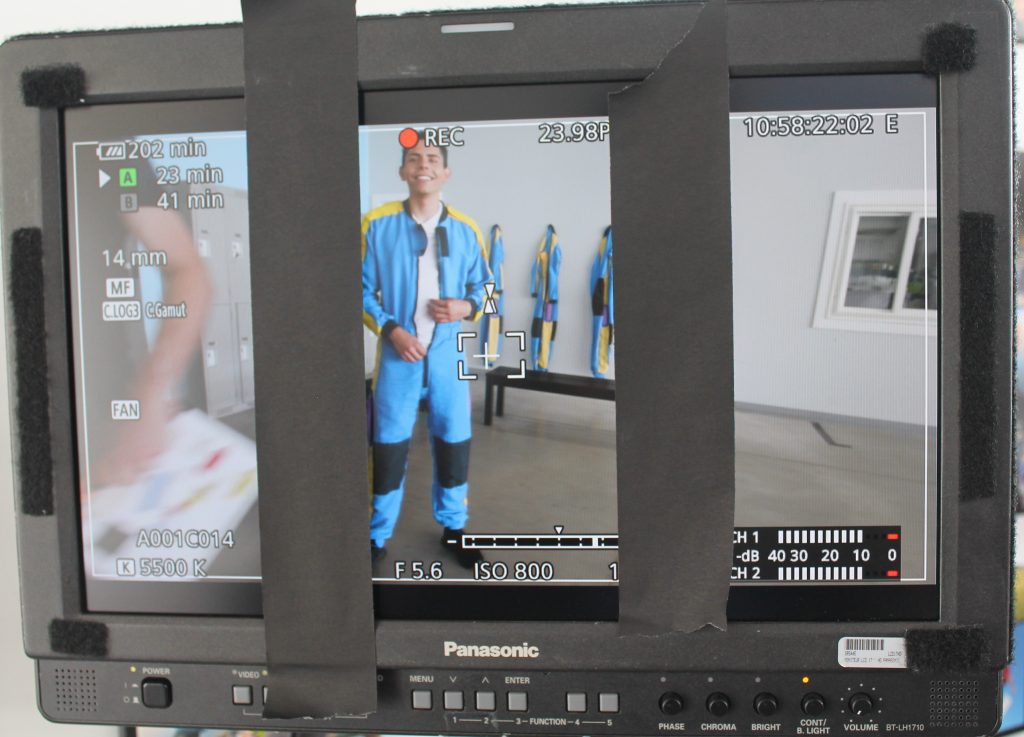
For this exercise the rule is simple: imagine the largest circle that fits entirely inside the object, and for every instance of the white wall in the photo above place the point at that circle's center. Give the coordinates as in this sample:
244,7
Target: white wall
73,15
502,175
782,192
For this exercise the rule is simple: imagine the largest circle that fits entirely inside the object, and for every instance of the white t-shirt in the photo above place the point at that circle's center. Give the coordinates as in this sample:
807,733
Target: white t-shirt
429,285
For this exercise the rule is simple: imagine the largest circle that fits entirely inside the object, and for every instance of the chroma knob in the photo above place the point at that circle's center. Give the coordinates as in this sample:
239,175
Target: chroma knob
719,704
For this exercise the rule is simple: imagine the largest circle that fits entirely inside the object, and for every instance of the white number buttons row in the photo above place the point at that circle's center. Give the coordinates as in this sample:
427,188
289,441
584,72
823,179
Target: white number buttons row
423,700
576,703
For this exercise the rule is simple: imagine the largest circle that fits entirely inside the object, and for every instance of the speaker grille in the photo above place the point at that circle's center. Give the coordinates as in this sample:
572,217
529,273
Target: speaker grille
953,704
75,690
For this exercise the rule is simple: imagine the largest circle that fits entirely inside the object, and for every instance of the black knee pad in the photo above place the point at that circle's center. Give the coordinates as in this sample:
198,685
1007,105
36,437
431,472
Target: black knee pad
389,461
452,462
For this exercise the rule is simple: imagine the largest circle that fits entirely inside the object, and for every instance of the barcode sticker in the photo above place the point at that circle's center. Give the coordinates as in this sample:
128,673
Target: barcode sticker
873,652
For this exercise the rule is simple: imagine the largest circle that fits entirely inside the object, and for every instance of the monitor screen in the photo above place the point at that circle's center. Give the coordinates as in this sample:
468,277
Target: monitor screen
489,306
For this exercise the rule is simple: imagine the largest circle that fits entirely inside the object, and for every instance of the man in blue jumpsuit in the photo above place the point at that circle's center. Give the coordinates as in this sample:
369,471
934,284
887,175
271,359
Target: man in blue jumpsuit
424,271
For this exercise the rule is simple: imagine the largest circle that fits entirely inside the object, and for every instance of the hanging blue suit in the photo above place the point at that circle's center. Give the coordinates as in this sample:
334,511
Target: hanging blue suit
491,340
544,290
602,306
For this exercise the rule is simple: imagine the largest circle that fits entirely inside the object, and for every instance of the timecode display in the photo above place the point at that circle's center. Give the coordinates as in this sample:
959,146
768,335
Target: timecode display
856,124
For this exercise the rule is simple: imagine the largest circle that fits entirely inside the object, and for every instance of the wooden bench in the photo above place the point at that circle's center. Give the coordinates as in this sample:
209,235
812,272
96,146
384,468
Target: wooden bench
539,381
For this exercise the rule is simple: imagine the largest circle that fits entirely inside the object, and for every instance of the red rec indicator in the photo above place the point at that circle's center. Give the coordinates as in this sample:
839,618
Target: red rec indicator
892,574
892,536
409,137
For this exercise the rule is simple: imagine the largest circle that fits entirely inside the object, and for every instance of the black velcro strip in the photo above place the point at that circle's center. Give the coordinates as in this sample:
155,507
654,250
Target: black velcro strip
35,462
56,86
980,470
950,47
949,650
79,638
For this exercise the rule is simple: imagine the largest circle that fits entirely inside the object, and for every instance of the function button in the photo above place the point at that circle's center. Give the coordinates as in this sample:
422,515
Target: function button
156,693
609,703
670,703
576,702
766,704
718,704
862,704
422,700
517,701
813,704
241,695
265,692
485,701
453,701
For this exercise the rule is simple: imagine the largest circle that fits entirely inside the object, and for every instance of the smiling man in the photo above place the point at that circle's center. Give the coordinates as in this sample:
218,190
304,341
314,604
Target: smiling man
424,271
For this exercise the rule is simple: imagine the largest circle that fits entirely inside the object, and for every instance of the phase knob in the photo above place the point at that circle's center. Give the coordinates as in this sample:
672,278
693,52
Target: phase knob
670,703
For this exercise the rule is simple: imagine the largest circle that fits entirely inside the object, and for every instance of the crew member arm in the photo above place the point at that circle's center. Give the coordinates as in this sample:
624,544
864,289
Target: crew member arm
185,282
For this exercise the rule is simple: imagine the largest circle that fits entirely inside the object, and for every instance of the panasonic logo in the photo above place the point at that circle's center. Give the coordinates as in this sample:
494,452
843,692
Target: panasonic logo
526,650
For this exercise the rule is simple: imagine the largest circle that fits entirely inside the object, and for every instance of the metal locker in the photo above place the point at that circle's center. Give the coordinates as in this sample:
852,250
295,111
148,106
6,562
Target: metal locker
236,222
220,362
209,230
243,322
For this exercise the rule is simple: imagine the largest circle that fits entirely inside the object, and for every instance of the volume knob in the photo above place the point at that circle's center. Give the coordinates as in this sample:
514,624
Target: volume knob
861,704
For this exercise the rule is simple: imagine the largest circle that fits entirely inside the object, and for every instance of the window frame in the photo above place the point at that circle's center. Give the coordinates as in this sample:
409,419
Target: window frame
848,207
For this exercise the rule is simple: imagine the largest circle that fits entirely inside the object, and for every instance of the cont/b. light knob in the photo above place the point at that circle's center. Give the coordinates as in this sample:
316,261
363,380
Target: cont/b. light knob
670,703
861,704
719,704
813,704
766,704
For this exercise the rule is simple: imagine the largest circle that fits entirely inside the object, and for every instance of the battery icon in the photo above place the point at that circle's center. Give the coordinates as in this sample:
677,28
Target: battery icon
111,151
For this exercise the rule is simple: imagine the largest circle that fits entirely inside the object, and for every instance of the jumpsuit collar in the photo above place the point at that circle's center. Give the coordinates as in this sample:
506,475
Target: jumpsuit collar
408,211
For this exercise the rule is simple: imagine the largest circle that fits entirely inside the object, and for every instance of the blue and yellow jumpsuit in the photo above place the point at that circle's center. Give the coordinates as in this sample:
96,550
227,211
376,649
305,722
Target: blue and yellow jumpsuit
603,307
491,340
392,243
544,290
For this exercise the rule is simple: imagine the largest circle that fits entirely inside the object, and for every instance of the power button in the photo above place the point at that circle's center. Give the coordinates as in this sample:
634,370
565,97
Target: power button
156,693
